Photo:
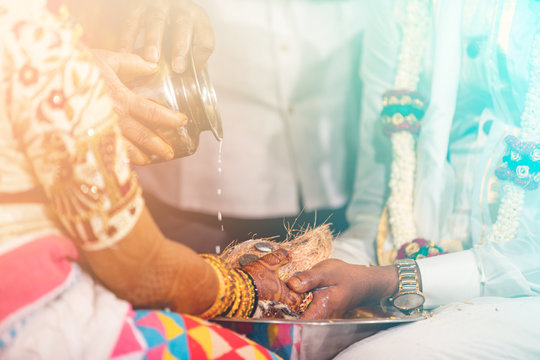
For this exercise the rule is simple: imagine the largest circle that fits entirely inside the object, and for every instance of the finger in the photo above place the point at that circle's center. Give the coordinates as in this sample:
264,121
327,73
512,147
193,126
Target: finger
201,55
156,18
276,259
144,138
135,155
130,25
203,40
134,65
154,113
318,308
125,64
307,281
291,299
182,37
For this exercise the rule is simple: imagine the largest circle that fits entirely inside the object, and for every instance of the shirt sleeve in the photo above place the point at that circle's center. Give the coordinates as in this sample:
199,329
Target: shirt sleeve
65,124
506,268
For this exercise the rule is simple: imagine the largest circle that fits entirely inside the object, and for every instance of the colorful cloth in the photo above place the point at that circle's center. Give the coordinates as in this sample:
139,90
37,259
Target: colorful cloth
23,287
283,339
153,335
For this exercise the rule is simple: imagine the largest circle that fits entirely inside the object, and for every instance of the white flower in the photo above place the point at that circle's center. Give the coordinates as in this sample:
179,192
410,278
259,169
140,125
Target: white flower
413,44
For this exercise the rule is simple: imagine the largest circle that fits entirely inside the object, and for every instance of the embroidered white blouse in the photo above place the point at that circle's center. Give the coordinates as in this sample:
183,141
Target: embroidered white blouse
58,137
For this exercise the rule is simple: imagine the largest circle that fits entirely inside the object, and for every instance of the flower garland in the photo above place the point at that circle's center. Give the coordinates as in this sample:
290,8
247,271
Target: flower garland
403,110
521,163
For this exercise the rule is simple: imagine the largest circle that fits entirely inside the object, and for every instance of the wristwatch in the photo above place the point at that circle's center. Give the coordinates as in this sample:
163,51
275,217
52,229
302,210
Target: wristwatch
408,296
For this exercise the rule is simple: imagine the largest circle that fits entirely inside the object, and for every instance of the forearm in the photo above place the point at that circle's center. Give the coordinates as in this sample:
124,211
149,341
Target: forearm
149,270
382,282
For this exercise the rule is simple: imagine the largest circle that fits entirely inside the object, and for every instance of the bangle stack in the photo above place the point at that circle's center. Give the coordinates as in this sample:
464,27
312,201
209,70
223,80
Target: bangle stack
237,294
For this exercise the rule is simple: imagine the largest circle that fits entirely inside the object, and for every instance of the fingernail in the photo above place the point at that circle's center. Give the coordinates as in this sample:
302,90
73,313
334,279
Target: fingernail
151,53
170,155
183,119
178,64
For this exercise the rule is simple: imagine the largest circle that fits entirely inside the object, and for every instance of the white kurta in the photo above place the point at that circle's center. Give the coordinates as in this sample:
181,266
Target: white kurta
489,67
491,289
286,78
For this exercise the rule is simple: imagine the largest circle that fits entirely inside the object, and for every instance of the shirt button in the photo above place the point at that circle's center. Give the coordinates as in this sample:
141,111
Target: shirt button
290,110
473,49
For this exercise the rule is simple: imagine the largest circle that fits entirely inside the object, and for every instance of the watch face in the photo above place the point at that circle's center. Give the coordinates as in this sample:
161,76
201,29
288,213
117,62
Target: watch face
408,301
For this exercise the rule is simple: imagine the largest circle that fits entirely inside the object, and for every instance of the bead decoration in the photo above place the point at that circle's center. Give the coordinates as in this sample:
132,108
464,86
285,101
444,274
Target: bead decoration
402,111
418,249
520,163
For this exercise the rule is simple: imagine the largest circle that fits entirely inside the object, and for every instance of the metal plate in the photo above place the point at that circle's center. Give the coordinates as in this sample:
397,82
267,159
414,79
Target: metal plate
314,339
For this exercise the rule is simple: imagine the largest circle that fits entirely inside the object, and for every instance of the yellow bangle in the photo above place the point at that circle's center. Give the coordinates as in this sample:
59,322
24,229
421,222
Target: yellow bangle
251,297
237,294
223,299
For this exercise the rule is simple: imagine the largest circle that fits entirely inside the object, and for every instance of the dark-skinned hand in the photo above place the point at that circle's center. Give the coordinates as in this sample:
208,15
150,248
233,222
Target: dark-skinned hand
136,113
112,27
338,287
191,30
270,287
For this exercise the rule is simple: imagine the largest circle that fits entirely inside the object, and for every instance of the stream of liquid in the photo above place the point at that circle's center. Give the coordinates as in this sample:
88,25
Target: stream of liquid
219,190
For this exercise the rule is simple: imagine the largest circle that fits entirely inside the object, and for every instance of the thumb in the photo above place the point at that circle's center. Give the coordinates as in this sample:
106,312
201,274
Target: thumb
134,65
305,281
125,64
276,259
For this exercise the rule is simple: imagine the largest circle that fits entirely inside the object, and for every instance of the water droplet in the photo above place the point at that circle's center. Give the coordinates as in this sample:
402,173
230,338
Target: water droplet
220,153
219,191
218,249
219,216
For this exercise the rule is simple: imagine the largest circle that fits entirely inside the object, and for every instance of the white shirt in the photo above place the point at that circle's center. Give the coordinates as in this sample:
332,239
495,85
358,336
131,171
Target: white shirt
286,77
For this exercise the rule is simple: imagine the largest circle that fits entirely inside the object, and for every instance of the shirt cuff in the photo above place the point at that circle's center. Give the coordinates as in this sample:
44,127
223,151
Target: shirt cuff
449,278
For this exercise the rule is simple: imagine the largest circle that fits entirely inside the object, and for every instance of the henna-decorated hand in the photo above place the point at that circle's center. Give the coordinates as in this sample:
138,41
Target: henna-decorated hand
270,287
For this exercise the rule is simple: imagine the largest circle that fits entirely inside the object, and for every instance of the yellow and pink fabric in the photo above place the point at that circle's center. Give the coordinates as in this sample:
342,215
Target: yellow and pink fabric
167,335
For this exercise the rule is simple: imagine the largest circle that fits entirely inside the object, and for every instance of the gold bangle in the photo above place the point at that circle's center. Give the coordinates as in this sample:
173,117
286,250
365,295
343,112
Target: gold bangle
233,310
306,301
251,293
223,299
245,301
237,294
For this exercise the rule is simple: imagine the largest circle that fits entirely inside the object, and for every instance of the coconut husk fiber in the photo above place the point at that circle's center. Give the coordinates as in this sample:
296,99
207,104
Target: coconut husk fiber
308,246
